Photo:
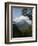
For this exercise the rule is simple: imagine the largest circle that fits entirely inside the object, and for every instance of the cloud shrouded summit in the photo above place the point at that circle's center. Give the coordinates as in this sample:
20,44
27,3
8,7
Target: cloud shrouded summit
21,18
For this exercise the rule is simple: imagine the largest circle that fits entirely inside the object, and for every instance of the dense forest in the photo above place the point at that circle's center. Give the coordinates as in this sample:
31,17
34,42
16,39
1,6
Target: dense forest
18,33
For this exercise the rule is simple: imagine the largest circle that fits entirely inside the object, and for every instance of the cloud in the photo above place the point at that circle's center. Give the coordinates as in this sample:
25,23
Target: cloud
20,18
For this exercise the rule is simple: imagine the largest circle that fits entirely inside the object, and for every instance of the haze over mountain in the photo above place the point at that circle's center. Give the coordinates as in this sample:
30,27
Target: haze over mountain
21,19
22,22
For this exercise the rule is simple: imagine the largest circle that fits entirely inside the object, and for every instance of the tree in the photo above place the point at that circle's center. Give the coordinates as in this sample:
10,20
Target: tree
27,12
24,11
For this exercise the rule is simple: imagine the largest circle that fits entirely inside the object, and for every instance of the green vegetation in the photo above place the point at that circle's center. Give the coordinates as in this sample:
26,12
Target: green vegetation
18,33
28,31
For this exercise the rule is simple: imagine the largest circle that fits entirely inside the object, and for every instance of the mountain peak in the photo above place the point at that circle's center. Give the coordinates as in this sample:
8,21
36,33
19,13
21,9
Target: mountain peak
20,18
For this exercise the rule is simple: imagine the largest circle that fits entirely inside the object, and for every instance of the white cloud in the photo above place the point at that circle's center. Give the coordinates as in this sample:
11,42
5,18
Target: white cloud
20,18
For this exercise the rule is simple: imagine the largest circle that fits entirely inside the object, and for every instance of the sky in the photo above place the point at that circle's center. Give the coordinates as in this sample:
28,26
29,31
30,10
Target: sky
17,15
16,12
